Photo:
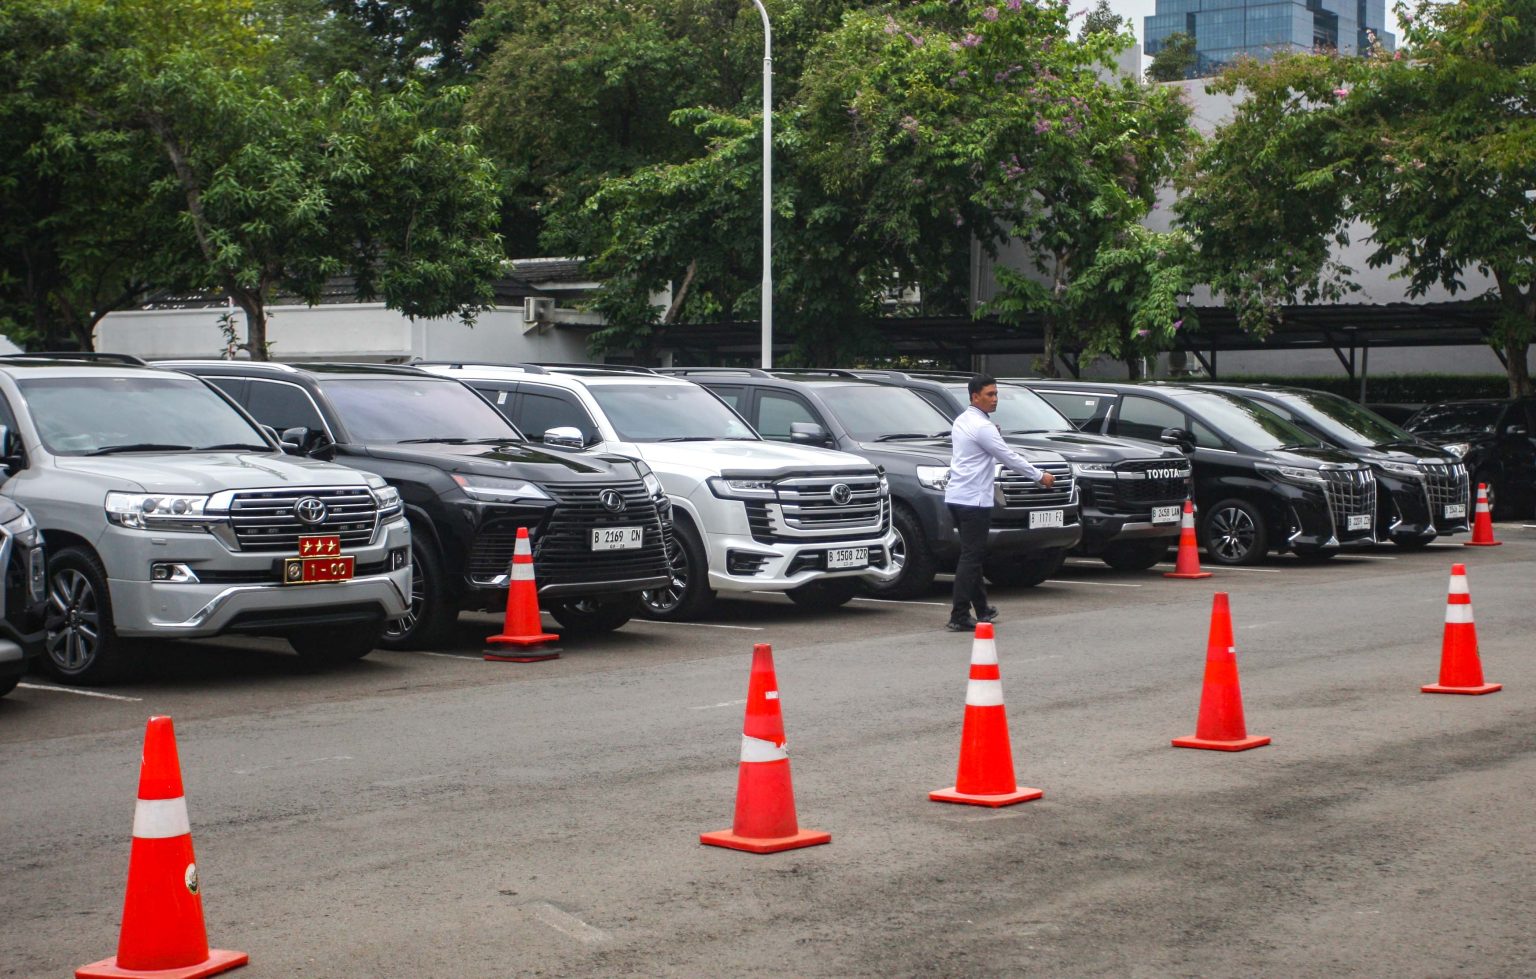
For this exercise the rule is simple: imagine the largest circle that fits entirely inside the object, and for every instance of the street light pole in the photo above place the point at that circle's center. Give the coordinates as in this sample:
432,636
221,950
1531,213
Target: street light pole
767,307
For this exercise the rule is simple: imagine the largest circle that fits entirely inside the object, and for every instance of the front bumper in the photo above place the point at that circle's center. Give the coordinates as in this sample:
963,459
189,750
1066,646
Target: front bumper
737,562
1313,524
1010,534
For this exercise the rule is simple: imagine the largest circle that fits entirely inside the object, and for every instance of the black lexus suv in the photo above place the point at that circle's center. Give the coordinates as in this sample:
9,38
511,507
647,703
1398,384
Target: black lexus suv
1132,494
24,593
1497,443
1422,488
1260,481
1032,527
469,480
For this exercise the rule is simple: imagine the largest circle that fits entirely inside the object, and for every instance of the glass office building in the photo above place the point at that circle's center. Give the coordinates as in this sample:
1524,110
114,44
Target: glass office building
1227,29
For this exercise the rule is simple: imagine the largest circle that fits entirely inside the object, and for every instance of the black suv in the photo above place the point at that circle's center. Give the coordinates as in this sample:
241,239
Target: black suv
1132,494
25,591
1032,527
1423,491
1260,482
1496,441
469,480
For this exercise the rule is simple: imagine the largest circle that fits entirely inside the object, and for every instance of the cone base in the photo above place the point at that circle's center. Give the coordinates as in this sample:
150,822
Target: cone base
729,840
1470,691
531,657
1481,543
219,960
1241,744
1022,794
537,639
1186,574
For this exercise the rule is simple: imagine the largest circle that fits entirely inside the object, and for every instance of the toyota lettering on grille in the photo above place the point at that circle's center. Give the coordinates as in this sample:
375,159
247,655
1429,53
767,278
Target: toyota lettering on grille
842,494
310,510
1166,474
612,500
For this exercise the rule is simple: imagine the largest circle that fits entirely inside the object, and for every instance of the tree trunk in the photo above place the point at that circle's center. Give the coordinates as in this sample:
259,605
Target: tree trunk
255,308
1048,366
1519,322
1135,368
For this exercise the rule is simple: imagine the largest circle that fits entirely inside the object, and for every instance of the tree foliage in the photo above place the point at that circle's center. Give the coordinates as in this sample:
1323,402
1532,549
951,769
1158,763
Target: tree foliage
1175,59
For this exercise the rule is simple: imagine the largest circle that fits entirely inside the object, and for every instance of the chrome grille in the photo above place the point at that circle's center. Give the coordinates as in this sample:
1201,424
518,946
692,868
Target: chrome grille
1350,492
1446,484
562,545
264,520
1017,491
805,508
1140,486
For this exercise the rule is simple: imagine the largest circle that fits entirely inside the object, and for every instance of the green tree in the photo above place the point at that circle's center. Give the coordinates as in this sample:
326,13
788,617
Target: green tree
1175,59
1433,151
1102,20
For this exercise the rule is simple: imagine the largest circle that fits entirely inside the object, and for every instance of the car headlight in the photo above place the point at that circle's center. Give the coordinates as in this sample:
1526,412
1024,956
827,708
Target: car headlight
885,484
1401,468
156,511
1096,470
388,500
933,477
1293,473
24,530
652,484
742,489
494,490
1459,449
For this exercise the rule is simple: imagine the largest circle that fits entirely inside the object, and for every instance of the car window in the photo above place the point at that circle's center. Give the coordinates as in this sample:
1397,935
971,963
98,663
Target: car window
235,387
941,401
283,406
1020,410
1204,437
730,395
500,395
873,411
776,412
410,409
539,411
81,415
1471,417
1144,418
1244,421
1340,420
643,412
1082,410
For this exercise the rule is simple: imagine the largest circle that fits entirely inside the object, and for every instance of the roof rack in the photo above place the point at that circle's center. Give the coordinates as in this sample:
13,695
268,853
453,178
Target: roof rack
90,355
818,372
597,368
525,368
178,361
685,371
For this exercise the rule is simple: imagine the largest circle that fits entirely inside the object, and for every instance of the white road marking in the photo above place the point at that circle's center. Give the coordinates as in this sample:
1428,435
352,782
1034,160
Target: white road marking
728,703
565,923
1259,625
1237,567
78,693
422,652
1100,584
706,625
1368,557
893,601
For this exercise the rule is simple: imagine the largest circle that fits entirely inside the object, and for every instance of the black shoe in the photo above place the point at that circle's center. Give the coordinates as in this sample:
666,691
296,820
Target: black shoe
966,624
990,615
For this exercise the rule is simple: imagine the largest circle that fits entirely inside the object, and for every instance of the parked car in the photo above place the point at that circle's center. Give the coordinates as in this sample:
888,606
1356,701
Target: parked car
1260,482
748,514
598,522
1131,493
1032,527
23,595
169,513
1422,489
1495,441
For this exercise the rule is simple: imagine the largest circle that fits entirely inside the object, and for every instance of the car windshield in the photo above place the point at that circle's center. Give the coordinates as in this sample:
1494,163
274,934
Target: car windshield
1343,421
873,411
668,412
1020,410
409,409
1472,417
1245,421
150,412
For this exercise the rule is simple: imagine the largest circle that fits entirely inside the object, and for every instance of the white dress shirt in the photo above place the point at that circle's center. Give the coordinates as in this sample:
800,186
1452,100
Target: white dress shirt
978,448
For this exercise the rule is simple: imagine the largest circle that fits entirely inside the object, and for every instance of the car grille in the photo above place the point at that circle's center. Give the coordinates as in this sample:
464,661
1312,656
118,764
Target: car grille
1133,493
805,509
562,546
1350,492
1016,491
264,520
1446,484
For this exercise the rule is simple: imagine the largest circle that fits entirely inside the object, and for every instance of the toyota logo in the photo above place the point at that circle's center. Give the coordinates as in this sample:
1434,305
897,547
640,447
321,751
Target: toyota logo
841,494
612,500
310,510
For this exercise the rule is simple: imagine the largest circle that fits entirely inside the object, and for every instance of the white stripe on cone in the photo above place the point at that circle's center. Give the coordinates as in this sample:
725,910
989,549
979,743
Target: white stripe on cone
161,819
522,572
984,693
1459,584
756,749
1458,614
984,652
521,547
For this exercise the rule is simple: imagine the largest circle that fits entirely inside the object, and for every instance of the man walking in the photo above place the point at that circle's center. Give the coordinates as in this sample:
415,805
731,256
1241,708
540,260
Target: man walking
978,448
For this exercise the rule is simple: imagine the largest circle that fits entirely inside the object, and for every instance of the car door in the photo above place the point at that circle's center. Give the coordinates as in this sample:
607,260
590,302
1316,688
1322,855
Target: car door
540,408
1214,462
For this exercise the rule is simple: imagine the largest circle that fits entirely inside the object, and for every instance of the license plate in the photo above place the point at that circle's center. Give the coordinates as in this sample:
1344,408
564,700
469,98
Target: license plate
311,570
320,545
1456,511
1166,514
1047,518
847,557
1361,521
618,538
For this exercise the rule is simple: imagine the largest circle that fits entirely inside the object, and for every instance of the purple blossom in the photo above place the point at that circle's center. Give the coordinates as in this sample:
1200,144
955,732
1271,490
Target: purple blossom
1178,324
916,40
1014,4
990,13
1341,92
1042,126
970,40
1143,333
890,25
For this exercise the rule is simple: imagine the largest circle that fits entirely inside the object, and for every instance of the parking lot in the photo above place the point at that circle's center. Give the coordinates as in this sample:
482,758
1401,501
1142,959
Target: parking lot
433,814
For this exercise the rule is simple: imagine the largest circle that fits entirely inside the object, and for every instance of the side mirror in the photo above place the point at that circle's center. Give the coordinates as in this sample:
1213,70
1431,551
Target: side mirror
566,437
1520,430
12,454
1179,437
809,433
302,441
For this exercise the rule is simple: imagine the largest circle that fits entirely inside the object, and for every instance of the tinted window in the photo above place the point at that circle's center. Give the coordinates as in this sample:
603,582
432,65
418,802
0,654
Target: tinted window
1080,409
1144,418
283,406
731,396
404,409
776,412
668,412
1244,421
1474,417
1020,410
871,411
79,415
539,411
1343,421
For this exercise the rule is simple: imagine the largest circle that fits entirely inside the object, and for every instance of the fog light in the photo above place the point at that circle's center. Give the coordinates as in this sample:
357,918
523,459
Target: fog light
172,572
37,574
399,558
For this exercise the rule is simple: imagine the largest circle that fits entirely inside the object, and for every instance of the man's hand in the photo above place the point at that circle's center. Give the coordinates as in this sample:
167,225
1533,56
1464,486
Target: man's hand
1047,480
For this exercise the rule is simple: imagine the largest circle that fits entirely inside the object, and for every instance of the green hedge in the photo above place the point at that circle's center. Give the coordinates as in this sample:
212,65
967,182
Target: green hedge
1396,389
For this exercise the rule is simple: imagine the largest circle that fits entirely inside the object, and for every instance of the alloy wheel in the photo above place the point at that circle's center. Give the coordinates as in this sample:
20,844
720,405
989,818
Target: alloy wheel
401,627
1231,533
74,621
664,600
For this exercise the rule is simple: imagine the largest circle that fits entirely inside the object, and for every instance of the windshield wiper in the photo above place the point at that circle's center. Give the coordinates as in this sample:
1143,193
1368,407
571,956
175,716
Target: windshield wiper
1030,431
234,445
139,447
450,440
690,438
895,436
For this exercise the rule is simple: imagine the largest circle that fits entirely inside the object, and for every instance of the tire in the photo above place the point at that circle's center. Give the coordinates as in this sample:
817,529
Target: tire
1138,555
689,595
911,554
1233,533
336,644
595,615
7,684
431,615
1024,572
1413,542
82,646
826,594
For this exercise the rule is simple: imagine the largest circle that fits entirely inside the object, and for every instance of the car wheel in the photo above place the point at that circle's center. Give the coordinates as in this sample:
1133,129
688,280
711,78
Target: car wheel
429,617
910,556
1135,555
336,644
1234,533
594,615
689,594
81,645
1024,572
1413,542
7,684
826,594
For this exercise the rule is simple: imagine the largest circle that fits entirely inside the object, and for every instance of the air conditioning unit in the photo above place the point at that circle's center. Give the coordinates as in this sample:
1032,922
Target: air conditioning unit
538,309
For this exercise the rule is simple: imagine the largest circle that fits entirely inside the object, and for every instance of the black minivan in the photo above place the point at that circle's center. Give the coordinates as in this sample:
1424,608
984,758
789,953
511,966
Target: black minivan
1261,482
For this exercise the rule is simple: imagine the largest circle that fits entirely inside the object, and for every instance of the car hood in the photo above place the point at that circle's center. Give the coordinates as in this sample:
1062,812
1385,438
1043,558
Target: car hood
521,459
1448,438
1087,447
740,456
1311,458
1409,452
207,472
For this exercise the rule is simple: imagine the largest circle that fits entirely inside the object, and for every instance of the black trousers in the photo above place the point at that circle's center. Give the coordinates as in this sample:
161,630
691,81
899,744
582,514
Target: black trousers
972,522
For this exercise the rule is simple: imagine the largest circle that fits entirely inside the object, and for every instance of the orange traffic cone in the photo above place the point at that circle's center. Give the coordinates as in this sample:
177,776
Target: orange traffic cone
1187,564
1220,725
521,627
1460,669
1482,522
765,801
986,758
162,933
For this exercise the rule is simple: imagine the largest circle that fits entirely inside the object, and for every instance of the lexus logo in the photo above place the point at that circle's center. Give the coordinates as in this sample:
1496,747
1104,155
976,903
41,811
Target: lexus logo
612,500
841,494
310,510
